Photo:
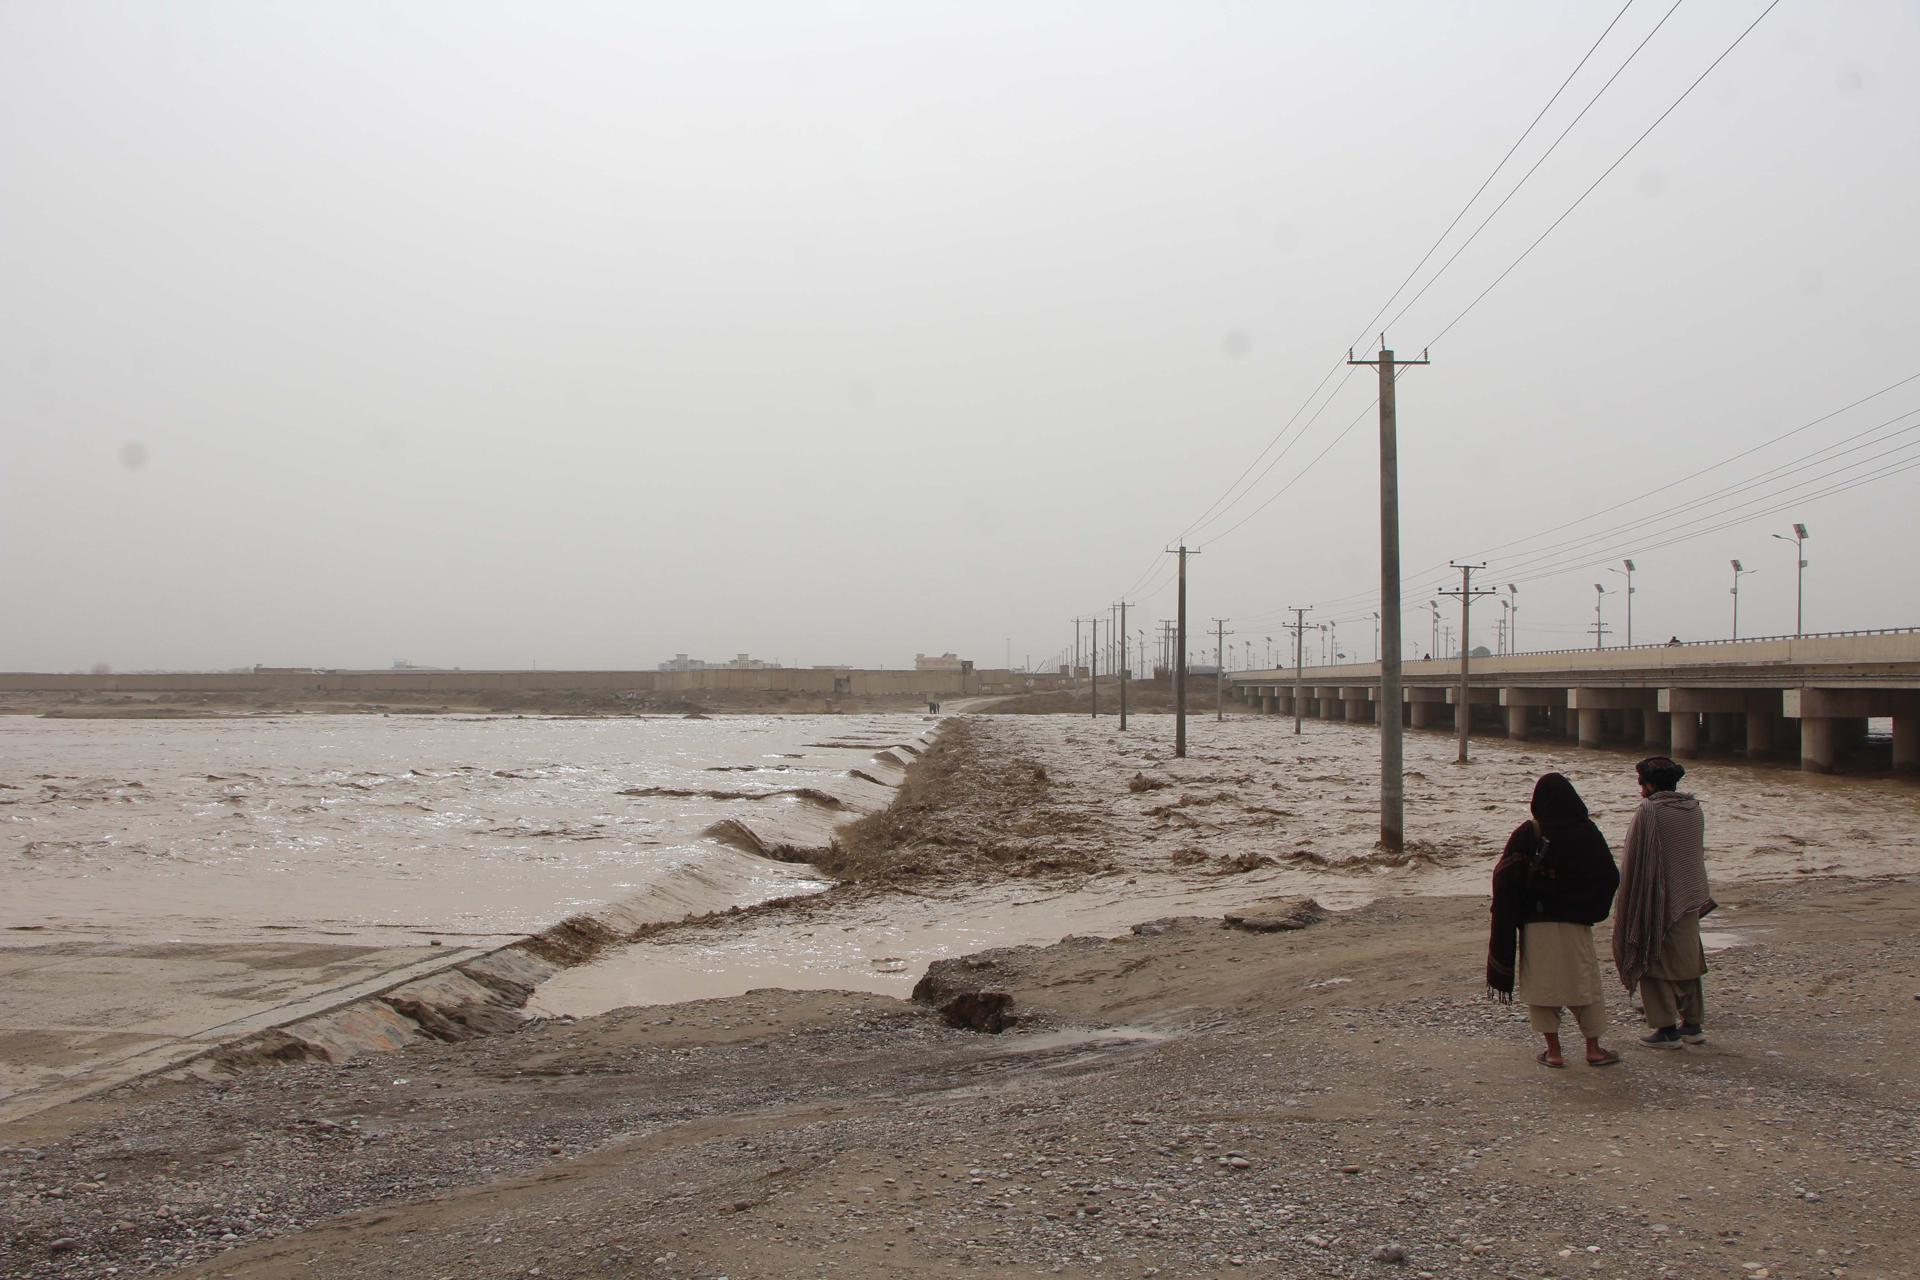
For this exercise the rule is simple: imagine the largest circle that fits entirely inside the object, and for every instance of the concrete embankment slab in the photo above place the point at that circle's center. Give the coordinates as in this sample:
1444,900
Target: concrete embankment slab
76,1017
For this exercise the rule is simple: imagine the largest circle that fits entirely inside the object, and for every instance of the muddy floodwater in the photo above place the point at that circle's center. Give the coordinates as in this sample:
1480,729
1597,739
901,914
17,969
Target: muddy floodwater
382,830
1252,812
172,885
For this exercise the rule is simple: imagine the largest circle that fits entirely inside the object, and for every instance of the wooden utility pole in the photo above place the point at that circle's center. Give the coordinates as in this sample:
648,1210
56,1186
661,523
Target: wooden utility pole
1220,669
1123,665
1299,628
1393,783
1180,660
1463,710
1093,662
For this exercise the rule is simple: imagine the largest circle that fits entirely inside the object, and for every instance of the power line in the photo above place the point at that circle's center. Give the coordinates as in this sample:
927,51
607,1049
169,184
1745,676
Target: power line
1342,600
1550,551
1603,176
1582,559
1537,163
1695,475
1202,520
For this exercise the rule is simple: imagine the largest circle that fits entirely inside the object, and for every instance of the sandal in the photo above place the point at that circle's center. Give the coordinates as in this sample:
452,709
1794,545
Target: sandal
1611,1060
1544,1061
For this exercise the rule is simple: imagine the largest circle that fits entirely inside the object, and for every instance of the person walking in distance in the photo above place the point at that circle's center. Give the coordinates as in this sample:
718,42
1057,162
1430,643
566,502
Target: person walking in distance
1663,895
1553,883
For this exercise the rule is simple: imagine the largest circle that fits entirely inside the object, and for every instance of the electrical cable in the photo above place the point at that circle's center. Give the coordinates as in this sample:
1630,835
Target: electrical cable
1603,176
1399,315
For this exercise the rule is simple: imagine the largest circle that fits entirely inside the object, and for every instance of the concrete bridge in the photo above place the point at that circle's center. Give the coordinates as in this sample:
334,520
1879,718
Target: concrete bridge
1809,696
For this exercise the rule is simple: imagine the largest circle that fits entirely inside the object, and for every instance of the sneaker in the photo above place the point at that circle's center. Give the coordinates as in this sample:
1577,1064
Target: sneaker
1664,1038
1693,1033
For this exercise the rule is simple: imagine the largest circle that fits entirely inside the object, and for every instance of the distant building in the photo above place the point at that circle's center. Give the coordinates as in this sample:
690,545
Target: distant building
945,662
739,662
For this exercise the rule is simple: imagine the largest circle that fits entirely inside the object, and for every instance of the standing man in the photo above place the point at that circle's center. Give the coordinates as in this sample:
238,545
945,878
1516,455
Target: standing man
1663,895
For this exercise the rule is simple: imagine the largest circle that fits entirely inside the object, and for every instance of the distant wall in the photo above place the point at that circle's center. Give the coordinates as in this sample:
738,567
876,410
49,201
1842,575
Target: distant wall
378,683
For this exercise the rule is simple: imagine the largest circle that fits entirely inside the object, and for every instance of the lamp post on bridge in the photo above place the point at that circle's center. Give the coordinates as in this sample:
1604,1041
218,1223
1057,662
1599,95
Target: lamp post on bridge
1376,636
1738,573
1600,593
1513,628
1798,540
1628,574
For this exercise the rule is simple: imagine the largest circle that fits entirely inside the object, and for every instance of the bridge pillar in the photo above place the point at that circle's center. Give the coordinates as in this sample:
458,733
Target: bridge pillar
1267,703
1906,738
1653,730
1520,700
1424,703
1816,744
1760,727
1722,711
1834,721
1720,727
1591,725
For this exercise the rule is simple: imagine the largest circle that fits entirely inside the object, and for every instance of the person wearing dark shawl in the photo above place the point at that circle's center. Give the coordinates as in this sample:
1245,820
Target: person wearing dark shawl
1663,895
1553,883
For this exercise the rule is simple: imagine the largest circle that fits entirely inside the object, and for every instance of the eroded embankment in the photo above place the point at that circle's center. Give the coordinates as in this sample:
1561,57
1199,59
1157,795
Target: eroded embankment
486,995
968,813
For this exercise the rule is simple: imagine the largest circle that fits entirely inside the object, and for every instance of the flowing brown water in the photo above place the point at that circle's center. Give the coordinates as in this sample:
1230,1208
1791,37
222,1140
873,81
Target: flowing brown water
377,830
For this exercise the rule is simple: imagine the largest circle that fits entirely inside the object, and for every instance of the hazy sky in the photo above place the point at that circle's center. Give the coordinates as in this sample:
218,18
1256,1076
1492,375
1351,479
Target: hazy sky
582,334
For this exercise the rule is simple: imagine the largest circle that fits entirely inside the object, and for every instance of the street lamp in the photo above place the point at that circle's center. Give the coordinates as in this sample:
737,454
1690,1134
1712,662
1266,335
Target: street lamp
1738,573
1600,593
1627,573
1799,575
1506,627
1435,642
1376,637
1513,632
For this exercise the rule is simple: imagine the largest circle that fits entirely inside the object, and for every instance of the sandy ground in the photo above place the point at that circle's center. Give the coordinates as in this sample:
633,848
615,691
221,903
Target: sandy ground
1183,1100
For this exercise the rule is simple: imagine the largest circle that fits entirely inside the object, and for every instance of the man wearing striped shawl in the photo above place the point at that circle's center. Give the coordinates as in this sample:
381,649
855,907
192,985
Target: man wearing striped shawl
1663,894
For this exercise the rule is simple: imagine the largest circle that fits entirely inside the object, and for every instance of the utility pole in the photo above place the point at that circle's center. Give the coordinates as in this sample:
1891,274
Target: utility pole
1093,663
1111,664
1513,629
1180,662
1738,573
1393,783
1799,541
1299,628
1219,669
1123,666
1600,593
1463,712
1627,573
1073,672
